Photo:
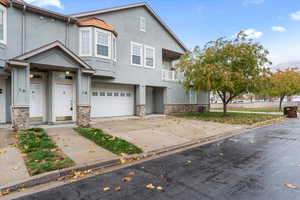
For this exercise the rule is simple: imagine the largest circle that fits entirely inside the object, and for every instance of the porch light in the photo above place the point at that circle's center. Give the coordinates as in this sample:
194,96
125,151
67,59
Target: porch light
67,72
31,75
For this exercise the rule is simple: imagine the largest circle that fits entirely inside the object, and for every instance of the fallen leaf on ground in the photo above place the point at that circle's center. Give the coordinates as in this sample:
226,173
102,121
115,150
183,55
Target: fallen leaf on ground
92,151
4,193
106,189
54,150
3,152
159,188
124,154
150,186
127,179
16,168
290,186
118,188
131,173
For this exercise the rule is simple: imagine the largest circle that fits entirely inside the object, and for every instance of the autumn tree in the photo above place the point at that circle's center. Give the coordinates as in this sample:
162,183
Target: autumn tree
227,67
283,83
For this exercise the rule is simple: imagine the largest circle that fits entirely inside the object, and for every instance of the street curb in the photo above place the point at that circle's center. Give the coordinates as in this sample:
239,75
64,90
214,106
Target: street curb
104,164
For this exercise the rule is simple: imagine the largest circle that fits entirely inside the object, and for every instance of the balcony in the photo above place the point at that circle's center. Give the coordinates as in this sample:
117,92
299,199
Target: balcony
169,75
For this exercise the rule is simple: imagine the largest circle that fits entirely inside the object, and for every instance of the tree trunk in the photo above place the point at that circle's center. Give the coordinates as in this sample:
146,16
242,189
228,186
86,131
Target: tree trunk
280,103
224,108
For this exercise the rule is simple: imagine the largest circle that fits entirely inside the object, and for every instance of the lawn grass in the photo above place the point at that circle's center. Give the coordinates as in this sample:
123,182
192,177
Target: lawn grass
230,118
114,144
42,154
265,109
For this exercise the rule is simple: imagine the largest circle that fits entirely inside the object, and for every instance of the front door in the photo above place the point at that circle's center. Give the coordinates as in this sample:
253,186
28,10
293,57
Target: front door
2,101
36,102
64,102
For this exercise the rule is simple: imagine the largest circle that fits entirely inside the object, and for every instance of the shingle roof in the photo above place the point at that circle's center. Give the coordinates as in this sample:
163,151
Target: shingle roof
97,23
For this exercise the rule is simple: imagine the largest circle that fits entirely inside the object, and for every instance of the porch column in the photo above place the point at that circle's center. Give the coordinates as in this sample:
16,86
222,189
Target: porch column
83,95
20,82
140,100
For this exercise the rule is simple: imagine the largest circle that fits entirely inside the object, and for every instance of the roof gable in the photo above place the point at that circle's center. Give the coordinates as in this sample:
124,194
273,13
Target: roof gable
148,8
51,50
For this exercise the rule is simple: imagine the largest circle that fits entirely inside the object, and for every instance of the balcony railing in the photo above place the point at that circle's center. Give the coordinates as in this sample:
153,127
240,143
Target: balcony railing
169,75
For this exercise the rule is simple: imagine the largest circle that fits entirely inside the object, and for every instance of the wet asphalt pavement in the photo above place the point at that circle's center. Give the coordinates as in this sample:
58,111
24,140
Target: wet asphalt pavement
255,165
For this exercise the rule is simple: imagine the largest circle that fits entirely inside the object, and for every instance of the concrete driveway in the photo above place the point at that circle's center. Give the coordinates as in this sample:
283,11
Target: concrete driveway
152,133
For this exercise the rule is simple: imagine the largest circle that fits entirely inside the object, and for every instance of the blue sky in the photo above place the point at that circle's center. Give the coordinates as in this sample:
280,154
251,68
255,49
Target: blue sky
274,23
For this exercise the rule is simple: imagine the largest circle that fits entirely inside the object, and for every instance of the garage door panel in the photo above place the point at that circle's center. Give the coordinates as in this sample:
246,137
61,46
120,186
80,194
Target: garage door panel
112,100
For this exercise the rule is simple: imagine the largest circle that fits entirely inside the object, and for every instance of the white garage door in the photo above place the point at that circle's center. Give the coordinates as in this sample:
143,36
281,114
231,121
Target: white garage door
110,100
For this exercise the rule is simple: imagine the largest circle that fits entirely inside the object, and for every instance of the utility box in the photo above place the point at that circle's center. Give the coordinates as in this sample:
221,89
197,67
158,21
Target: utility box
290,111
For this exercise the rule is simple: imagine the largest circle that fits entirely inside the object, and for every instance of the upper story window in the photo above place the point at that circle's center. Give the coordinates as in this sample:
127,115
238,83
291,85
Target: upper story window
103,44
85,43
97,38
149,56
136,53
3,24
143,24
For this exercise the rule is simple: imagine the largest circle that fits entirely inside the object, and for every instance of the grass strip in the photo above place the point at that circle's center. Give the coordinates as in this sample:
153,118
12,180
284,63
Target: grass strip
114,144
230,118
40,153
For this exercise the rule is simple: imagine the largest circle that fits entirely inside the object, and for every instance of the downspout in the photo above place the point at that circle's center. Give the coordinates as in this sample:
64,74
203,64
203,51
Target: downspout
23,29
67,32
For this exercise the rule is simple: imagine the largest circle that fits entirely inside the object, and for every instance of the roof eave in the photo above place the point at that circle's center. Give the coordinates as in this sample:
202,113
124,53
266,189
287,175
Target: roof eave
23,5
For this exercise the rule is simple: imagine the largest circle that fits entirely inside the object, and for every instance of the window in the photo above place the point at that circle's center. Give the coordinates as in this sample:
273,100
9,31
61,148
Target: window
142,24
3,25
103,44
122,94
193,96
136,54
128,94
95,94
149,56
102,94
116,94
109,94
85,42
114,48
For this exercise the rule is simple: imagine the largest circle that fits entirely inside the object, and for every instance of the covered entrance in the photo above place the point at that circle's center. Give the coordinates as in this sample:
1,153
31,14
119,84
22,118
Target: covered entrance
49,85
154,100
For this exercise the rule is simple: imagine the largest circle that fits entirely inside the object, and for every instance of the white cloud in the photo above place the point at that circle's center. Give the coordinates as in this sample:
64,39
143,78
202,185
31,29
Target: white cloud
253,34
279,29
43,3
296,16
247,2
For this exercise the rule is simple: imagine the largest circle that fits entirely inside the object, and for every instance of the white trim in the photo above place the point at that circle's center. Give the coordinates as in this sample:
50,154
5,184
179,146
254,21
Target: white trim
131,53
109,43
91,41
114,47
142,26
145,56
4,9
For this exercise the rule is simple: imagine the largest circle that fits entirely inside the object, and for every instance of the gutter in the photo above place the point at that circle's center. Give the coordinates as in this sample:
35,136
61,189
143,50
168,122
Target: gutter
20,5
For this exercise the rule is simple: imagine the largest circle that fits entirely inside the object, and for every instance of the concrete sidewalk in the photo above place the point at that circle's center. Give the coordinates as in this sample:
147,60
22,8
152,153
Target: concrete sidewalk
78,148
12,166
